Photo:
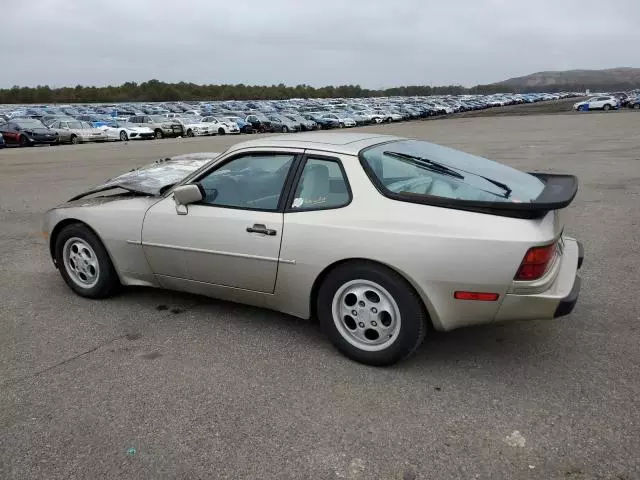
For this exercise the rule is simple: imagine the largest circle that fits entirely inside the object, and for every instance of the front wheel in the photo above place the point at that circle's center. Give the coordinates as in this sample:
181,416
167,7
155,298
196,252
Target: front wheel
74,140
190,133
23,141
84,262
607,107
221,131
158,134
370,313
285,129
123,136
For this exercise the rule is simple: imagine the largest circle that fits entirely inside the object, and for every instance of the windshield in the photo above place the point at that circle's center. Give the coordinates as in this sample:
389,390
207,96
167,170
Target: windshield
412,166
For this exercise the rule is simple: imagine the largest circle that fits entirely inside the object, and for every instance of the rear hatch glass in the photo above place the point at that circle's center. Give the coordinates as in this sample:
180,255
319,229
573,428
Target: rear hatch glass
423,172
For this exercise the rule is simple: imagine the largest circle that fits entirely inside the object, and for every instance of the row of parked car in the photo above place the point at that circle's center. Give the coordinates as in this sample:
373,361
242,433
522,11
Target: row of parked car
55,124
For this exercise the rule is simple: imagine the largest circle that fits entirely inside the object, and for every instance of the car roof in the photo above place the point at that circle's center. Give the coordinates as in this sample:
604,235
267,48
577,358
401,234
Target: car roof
347,143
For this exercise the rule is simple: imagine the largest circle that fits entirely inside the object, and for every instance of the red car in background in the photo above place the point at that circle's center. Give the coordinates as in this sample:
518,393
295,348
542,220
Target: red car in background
27,132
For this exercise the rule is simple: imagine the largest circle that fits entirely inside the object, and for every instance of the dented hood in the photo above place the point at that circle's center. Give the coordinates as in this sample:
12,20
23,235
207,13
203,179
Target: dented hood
153,178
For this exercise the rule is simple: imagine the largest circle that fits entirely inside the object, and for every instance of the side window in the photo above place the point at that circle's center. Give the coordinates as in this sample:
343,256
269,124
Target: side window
321,185
251,181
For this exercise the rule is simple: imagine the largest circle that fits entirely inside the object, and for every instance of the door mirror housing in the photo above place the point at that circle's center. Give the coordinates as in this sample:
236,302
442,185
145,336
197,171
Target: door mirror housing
185,195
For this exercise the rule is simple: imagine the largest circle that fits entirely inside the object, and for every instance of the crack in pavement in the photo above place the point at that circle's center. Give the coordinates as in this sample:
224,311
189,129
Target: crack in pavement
11,383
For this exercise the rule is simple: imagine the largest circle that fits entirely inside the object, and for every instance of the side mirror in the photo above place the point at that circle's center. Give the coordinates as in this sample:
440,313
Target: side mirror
185,195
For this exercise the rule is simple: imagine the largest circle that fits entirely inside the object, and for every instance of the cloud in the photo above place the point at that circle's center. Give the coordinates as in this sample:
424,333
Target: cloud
374,43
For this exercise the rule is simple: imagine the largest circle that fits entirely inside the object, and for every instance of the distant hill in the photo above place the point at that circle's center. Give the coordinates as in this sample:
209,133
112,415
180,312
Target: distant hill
623,78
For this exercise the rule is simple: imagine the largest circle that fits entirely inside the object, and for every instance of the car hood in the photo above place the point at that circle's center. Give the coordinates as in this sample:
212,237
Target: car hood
86,131
153,178
38,131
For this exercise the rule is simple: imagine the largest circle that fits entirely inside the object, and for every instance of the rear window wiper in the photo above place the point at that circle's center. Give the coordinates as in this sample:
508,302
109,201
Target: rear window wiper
441,168
426,163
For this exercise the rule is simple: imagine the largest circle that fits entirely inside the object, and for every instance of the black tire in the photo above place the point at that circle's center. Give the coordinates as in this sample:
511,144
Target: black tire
388,120
413,324
285,129
190,133
341,125
123,136
606,107
74,140
108,282
221,131
636,106
23,141
158,134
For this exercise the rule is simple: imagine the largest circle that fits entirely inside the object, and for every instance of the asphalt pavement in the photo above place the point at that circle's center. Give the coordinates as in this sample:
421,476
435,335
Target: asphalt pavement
154,384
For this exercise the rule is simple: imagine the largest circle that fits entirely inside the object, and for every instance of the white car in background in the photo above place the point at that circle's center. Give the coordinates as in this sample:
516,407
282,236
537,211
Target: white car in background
389,116
221,126
342,120
373,117
195,127
446,108
122,130
604,102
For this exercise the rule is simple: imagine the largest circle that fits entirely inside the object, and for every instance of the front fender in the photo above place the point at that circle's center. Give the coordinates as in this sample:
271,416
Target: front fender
117,221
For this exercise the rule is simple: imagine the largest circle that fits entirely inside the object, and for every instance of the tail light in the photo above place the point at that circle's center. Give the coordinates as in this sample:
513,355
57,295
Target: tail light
535,262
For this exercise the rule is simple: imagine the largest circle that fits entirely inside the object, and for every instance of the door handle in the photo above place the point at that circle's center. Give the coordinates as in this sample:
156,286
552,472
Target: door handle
260,228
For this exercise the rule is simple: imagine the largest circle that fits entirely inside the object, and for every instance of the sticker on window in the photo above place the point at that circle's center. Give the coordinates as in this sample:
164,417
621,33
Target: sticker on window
297,202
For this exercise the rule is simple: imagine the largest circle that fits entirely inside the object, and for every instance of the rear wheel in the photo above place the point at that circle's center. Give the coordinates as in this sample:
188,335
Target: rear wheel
23,141
123,136
607,107
190,133
341,125
285,129
221,131
74,140
158,134
84,262
370,313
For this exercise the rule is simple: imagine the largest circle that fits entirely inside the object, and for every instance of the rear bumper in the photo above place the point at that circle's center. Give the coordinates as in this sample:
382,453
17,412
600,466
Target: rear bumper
558,300
567,304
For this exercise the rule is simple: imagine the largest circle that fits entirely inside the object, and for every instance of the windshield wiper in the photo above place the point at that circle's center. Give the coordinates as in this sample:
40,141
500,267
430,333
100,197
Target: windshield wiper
446,170
426,163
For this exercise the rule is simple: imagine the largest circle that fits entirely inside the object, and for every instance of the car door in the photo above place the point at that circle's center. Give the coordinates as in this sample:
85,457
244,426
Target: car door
232,237
10,133
56,126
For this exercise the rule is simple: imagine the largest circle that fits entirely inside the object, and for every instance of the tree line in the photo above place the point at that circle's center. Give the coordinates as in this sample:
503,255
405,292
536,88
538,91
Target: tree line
157,91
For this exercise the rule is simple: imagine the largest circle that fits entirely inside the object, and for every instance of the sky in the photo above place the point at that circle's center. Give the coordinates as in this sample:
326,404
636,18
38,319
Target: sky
373,43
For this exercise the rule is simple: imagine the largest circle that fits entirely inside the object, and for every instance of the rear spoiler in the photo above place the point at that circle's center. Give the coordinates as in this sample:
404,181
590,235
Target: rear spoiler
558,193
